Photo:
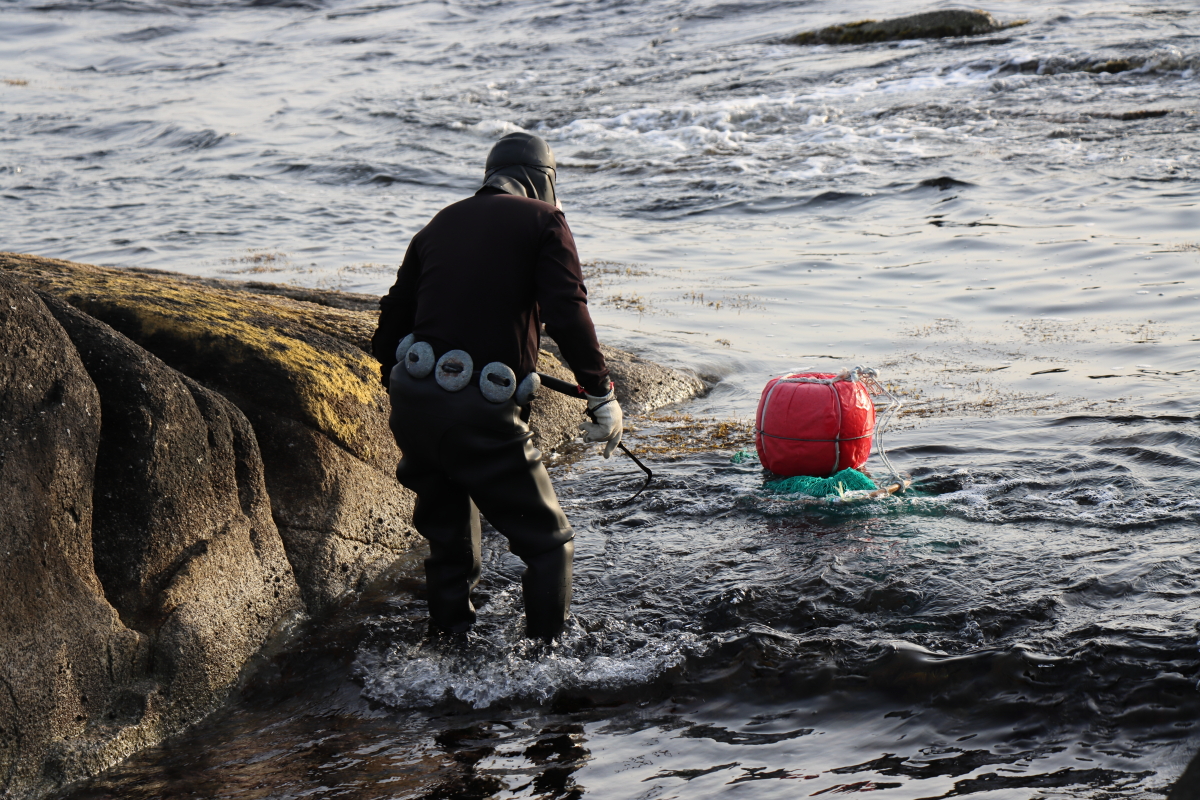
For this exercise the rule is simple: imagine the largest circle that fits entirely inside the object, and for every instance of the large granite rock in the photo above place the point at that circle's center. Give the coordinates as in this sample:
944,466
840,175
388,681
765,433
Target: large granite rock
182,534
928,25
311,393
141,565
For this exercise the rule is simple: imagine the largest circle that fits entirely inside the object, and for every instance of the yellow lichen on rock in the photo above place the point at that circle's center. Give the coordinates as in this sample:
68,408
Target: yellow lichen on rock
258,348
323,381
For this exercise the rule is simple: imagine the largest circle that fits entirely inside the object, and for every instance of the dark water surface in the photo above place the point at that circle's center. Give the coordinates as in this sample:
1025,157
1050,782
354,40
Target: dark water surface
1005,226
1024,627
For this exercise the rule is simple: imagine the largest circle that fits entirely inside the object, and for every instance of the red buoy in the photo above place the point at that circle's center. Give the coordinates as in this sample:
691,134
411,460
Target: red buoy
813,423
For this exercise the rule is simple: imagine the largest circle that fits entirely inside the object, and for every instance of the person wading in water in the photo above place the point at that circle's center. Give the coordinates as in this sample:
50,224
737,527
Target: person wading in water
458,343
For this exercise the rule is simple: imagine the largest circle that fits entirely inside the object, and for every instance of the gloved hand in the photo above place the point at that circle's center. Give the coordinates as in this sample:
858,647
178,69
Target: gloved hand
606,421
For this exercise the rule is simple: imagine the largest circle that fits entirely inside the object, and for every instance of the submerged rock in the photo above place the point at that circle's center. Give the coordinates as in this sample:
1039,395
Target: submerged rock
928,25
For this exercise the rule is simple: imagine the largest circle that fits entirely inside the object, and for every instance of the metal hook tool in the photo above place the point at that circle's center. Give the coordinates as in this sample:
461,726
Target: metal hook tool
571,390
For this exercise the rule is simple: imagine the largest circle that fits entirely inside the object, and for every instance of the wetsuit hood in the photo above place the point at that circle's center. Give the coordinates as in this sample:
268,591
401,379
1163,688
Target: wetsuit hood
521,164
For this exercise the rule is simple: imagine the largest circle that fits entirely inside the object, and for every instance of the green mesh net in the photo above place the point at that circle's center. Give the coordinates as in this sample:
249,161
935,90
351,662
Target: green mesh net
848,480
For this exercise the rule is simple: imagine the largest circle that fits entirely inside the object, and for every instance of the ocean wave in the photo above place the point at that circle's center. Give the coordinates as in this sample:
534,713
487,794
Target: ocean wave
488,128
729,123
1103,505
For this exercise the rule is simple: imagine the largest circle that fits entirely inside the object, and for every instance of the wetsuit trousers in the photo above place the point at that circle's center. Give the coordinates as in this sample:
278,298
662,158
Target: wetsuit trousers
463,454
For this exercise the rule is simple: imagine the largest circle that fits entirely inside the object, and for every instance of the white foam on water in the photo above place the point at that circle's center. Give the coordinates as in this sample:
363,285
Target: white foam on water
1105,505
853,125
780,125
497,664
488,128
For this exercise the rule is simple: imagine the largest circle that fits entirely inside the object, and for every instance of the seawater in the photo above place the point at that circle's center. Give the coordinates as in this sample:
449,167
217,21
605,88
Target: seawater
1002,227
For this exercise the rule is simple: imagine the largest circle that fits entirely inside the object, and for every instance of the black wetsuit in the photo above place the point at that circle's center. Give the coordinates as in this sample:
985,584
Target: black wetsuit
481,277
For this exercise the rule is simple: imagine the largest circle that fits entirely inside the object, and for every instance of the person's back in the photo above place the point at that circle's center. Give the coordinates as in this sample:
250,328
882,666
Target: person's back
480,272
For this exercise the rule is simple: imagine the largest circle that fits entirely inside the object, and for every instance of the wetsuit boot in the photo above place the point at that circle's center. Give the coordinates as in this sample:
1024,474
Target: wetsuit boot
449,595
448,519
547,590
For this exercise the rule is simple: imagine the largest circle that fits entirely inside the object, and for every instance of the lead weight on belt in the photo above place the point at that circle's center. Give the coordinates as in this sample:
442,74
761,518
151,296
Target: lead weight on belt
528,388
497,382
419,360
453,370
405,343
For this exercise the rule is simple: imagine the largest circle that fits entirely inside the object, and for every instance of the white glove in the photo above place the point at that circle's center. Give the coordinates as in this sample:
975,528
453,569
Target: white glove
606,426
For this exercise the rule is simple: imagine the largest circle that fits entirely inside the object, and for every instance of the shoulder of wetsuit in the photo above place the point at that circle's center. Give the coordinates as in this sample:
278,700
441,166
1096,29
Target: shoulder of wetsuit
450,209
494,195
538,211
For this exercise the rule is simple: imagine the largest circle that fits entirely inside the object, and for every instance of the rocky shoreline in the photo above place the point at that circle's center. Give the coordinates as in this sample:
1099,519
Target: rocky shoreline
188,465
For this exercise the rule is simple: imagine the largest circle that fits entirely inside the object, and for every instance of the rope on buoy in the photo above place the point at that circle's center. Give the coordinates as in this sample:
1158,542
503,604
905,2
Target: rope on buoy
869,378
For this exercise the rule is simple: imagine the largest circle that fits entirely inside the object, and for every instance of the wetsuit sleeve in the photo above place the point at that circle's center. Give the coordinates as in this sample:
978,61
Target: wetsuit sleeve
562,303
397,312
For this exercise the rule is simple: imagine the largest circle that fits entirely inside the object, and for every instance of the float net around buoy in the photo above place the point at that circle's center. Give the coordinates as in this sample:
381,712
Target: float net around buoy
848,480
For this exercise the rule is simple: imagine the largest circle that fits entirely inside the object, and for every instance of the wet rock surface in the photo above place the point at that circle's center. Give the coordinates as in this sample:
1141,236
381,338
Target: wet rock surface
642,385
57,631
928,25
183,537
180,500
